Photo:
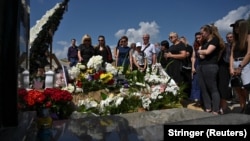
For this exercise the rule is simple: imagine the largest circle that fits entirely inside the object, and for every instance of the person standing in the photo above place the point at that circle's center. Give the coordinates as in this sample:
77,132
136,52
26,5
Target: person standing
139,58
123,53
72,53
224,75
103,50
175,55
187,66
131,52
195,90
240,58
209,55
85,49
149,50
119,43
160,57
157,48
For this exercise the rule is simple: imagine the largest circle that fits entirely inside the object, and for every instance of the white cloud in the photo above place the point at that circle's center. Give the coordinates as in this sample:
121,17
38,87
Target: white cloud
61,51
223,24
135,35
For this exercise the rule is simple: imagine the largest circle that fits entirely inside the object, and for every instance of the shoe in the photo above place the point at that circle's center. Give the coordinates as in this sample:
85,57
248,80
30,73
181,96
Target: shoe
216,113
208,111
197,104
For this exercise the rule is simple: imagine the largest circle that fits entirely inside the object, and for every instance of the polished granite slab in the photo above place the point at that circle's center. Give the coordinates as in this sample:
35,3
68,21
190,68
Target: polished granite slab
140,126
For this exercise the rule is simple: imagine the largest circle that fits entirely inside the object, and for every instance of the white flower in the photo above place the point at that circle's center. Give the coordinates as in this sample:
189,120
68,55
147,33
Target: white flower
146,102
78,90
119,101
155,92
160,96
110,68
74,72
172,89
40,23
70,88
140,84
80,66
88,103
95,62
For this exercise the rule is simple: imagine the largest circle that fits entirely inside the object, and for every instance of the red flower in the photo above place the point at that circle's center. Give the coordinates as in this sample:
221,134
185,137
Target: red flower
111,82
79,84
34,99
48,104
97,75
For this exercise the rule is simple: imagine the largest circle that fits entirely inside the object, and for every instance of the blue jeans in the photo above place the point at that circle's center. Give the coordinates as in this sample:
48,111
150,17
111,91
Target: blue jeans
73,61
195,91
207,77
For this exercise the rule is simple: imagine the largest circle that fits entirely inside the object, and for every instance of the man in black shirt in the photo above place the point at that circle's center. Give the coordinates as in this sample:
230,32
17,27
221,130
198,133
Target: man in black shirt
72,53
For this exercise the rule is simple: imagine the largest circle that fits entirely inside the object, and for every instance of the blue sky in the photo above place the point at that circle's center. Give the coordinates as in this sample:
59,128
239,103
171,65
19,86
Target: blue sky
114,18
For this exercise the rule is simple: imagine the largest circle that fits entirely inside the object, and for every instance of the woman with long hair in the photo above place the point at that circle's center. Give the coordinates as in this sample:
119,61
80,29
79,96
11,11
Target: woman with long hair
209,54
239,59
195,90
85,49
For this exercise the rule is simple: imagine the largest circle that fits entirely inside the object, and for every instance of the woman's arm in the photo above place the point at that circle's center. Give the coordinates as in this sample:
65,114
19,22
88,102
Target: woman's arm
246,59
207,51
115,52
231,61
116,59
193,61
135,62
145,63
131,59
79,55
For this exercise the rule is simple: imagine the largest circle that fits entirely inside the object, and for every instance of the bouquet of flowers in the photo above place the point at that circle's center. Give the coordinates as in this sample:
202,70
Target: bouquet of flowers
153,90
59,101
95,76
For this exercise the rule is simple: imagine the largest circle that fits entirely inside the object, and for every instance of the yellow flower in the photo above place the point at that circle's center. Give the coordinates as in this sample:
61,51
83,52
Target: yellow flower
90,71
106,77
81,76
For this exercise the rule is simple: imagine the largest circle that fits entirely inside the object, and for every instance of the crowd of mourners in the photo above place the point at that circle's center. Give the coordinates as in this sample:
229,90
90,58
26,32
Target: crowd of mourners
208,67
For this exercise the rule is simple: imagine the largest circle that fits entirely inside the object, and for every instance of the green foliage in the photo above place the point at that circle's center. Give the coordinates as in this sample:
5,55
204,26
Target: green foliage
129,104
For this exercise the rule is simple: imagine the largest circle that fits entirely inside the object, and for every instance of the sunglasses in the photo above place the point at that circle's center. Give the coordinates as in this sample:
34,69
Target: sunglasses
171,37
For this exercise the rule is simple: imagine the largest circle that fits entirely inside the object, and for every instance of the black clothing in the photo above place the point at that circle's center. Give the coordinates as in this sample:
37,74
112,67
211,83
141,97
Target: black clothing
104,53
86,53
211,58
239,53
187,69
224,74
174,65
72,52
161,59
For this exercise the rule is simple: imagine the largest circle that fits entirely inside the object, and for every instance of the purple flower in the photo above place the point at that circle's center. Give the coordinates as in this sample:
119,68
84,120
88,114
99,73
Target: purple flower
126,85
90,78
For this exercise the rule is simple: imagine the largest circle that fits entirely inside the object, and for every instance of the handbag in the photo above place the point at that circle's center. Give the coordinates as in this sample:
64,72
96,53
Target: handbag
236,81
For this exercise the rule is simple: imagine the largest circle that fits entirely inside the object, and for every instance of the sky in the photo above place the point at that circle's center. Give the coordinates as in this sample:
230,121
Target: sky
133,18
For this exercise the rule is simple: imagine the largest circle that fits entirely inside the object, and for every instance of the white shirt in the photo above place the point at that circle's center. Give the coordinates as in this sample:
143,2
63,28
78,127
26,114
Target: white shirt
149,51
